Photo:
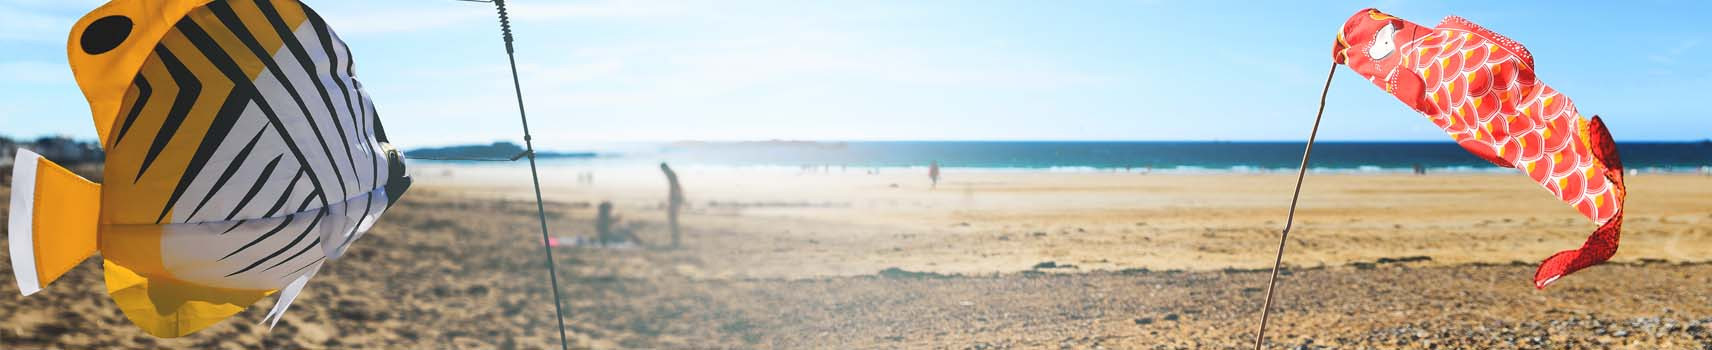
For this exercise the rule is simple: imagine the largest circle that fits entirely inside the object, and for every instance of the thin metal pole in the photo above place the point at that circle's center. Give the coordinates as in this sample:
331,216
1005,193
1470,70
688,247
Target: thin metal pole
1301,172
529,147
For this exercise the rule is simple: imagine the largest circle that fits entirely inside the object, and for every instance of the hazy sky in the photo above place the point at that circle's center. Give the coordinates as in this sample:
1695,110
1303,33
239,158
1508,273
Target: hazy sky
599,71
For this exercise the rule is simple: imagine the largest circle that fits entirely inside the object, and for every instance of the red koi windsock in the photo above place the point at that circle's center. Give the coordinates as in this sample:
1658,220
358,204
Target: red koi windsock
1480,88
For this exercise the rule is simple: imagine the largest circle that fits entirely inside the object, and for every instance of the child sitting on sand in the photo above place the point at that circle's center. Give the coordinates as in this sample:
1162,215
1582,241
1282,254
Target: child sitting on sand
605,226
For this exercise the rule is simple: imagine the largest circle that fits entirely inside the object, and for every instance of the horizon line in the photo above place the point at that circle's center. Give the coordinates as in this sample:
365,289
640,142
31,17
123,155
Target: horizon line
1042,140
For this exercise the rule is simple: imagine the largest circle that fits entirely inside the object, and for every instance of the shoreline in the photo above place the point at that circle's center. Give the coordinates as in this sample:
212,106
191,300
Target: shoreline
831,168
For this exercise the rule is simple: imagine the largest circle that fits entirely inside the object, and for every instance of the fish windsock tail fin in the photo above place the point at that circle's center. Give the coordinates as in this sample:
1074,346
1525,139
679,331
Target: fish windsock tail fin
53,220
1605,148
1600,246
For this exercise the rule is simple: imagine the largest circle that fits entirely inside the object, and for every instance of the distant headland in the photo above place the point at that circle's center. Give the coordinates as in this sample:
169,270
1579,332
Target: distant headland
61,149
497,150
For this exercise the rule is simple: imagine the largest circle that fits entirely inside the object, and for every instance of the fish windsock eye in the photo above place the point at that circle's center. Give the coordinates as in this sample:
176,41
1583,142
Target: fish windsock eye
1384,43
105,34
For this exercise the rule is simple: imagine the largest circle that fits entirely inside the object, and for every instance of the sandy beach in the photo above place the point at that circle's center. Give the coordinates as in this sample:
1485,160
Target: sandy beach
843,258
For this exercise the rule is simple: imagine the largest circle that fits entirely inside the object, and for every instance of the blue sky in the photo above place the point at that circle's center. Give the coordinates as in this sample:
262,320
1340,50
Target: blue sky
600,71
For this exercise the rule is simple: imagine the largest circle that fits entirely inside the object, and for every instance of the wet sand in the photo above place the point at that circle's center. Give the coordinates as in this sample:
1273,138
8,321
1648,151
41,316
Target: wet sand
788,259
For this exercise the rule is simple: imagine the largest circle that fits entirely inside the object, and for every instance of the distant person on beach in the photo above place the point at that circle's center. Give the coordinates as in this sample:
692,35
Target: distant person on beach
933,173
606,227
1420,170
674,202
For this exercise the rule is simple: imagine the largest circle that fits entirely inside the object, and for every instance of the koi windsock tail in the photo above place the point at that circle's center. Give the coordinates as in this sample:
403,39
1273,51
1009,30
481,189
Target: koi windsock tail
1602,244
53,220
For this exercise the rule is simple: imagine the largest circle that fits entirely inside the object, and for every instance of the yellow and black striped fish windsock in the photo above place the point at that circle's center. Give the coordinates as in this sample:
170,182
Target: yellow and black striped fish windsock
242,154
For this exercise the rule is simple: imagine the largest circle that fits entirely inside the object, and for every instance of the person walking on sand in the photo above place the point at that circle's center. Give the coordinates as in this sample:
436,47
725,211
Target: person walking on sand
674,201
933,173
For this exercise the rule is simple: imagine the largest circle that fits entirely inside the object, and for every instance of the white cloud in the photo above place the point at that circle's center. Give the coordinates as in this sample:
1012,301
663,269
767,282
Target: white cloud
56,4
21,24
370,18
1670,55
41,20
30,72
754,67
841,56
752,83
638,74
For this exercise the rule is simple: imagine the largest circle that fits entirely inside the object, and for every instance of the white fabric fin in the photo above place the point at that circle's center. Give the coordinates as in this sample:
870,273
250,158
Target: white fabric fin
288,295
355,216
21,223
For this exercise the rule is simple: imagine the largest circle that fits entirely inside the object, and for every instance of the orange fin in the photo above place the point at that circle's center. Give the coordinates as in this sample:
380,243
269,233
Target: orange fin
1484,151
168,308
1604,147
53,220
1600,246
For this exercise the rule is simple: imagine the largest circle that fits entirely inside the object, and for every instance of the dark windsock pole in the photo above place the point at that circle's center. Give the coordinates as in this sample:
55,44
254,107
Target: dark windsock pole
529,150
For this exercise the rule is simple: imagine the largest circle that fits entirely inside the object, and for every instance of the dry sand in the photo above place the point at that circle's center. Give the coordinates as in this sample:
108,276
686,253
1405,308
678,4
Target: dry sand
780,258
789,224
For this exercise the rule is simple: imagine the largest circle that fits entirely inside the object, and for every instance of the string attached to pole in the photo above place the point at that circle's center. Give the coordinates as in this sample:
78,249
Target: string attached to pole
529,151
519,155
1301,172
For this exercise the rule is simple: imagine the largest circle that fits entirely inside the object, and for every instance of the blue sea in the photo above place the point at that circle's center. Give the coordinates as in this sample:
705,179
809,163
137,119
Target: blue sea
1125,155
